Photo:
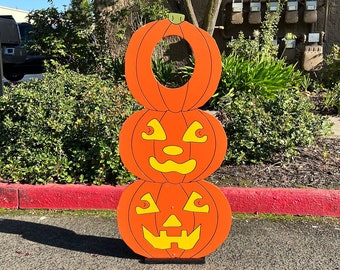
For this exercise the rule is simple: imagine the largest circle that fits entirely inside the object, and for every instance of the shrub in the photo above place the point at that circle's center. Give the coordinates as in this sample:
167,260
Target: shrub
330,73
330,77
67,35
258,127
63,128
332,98
263,76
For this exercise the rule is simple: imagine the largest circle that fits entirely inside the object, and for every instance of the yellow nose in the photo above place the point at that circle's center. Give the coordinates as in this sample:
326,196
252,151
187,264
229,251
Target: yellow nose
173,150
172,221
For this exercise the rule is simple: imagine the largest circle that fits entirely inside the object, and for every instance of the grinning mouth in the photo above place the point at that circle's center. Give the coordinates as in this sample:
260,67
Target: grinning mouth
172,166
163,241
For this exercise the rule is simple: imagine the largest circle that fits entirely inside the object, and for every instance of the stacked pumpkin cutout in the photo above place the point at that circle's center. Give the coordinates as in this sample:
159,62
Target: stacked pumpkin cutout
171,212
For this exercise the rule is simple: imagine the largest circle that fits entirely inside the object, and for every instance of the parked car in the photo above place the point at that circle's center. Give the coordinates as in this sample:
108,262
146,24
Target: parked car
17,60
12,51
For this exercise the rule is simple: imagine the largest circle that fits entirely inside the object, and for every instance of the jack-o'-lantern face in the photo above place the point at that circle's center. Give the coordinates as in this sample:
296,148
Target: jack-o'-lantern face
172,147
173,220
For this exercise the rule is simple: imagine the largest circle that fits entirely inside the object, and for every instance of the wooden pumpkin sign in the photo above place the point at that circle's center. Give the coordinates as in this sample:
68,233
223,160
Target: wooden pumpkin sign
171,212
187,220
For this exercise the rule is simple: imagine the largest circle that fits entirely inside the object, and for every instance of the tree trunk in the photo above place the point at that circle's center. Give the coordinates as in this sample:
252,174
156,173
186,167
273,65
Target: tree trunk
191,12
210,14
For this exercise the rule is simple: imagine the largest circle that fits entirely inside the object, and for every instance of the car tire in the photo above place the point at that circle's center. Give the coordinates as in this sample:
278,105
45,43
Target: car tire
14,77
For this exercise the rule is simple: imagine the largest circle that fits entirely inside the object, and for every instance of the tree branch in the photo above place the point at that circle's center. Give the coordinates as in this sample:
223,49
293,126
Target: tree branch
191,12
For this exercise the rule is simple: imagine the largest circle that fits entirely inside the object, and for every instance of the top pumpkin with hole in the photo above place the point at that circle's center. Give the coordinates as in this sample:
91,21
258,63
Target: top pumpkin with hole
140,78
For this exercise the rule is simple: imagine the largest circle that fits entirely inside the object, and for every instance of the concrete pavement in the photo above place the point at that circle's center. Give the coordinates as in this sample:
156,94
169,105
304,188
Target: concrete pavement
336,127
40,241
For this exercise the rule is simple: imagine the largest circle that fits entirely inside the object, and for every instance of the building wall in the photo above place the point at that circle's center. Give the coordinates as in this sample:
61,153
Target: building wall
325,22
18,15
329,22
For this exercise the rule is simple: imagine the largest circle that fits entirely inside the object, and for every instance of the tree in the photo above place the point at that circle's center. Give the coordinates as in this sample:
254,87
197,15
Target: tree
67,36
116,20
210,14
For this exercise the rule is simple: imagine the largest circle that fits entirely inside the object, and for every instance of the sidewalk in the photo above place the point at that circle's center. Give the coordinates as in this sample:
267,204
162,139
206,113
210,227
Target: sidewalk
336,126
315,202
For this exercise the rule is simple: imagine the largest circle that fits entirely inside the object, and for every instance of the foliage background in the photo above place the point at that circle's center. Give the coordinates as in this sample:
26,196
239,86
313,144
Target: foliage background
64,128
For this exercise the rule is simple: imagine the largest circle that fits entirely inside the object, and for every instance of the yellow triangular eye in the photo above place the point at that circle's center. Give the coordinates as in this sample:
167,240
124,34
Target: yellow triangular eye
151,208
191,207
157,134
190,134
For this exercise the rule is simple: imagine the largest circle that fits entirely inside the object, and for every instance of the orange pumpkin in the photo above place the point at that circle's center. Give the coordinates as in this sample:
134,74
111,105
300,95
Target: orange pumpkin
172,147
188,220
140,78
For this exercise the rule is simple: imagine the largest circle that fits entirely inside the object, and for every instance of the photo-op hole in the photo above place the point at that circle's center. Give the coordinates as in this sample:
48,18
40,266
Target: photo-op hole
172,61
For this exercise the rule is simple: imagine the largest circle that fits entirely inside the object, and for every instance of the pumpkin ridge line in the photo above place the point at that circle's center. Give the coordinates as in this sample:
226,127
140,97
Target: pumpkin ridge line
147,177
130,143
216,222
154,154
187,125
158,83
132,148
210,75
197,178
215,144
137,58
157,198
215,135
188,82
193,215
129,216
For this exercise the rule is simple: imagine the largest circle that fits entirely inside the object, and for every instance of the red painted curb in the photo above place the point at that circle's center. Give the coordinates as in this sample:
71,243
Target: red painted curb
9,197
314,202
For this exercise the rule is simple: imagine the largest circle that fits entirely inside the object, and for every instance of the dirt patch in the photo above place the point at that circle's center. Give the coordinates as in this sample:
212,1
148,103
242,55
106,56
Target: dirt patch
316,166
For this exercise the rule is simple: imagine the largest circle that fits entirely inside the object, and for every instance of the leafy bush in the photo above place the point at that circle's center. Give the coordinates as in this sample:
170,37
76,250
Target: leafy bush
332,97
262,108
258,127
63,128
263,76
330,73
67,35
330,77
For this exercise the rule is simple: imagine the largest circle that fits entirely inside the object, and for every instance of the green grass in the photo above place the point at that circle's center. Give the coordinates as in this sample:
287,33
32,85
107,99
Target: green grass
59,213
